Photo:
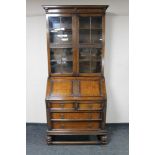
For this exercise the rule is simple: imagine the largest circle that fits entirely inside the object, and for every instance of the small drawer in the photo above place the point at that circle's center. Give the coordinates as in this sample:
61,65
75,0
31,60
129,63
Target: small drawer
75,115
61,105
90,106
75,125
85,105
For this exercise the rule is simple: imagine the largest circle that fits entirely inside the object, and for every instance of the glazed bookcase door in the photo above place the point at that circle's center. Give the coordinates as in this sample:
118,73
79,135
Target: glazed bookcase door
91,34
70,56
61,51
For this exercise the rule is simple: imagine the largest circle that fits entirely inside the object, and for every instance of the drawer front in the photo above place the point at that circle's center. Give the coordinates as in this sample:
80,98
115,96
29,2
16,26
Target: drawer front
61,105
76,105
75,125
75,115
90,106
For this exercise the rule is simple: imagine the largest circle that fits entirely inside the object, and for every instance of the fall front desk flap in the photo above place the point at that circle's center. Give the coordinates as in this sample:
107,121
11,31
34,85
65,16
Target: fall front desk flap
76,88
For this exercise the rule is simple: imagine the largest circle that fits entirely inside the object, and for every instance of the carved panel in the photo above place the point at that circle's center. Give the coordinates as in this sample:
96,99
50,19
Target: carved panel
62,88
89,88
90,106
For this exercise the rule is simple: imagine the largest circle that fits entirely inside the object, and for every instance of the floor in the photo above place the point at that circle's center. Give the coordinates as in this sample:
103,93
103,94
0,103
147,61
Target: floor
118,144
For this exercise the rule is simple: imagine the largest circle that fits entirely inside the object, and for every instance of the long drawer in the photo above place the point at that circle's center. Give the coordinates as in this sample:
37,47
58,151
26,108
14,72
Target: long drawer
87,105
76,115
76,125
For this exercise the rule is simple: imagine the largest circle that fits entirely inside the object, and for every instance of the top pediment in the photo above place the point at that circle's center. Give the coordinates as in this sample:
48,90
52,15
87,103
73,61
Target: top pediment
75,8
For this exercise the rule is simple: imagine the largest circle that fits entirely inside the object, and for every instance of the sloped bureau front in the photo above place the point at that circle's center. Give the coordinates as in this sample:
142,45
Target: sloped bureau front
75,87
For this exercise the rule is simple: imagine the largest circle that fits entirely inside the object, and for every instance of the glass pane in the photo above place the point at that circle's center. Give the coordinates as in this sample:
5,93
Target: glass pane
61,60
56,67
90,60
96,54
84,67
84,60
54,22
66,22
96,60
96,67
67,66
56,54
60,30
67,54
96,22
96,36
84,22
90,30
84,32
84,36
84,54
61,37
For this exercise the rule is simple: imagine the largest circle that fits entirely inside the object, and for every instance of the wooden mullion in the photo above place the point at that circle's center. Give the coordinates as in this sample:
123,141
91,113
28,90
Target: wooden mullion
90,29
48,44
74,42
95,45
90,49
61,62
77,45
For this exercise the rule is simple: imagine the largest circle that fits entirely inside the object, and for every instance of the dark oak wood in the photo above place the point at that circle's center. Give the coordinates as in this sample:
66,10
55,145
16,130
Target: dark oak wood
75,9
75,116
76,98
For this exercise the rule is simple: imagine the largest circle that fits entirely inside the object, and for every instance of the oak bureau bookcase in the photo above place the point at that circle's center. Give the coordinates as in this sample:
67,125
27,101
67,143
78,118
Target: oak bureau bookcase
76,92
